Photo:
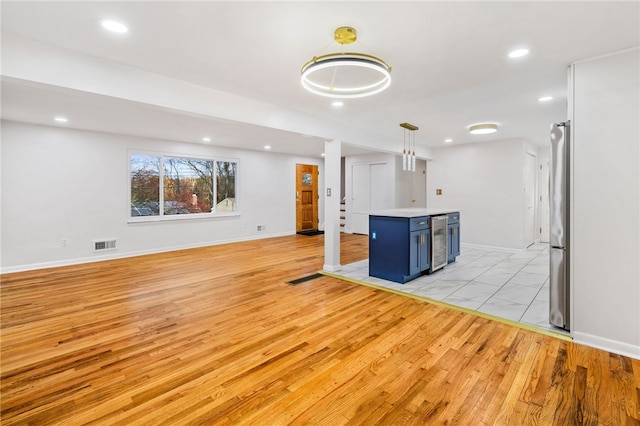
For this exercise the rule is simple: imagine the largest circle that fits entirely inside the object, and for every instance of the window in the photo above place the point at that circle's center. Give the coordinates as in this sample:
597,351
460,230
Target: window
145,180
190,186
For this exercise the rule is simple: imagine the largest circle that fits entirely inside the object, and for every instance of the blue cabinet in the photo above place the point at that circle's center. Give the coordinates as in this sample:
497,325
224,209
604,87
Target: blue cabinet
419,249
399,248
453,236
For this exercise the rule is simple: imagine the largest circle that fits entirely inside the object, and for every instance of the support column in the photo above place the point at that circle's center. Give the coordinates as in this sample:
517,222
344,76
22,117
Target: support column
332,154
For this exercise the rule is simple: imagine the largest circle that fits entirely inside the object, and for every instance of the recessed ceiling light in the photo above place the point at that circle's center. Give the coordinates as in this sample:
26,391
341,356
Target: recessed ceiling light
449,140
114,26
518,53
61,119
267,147
483,128
322,155
206,139
545,98
337,104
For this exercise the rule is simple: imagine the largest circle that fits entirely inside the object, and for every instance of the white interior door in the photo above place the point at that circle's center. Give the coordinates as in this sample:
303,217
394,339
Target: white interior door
378,187
360,198
529,199
410,187
370,191
543,201
419,187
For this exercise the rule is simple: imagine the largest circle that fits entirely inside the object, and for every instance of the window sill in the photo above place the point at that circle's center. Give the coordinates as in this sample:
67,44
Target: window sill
179,217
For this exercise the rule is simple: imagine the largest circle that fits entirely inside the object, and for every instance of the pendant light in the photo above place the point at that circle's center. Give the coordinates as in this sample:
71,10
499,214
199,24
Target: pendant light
409,156
404,150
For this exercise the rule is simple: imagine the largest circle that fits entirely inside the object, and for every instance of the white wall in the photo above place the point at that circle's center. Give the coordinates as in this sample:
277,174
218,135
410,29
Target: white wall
68,184
484,182
605,231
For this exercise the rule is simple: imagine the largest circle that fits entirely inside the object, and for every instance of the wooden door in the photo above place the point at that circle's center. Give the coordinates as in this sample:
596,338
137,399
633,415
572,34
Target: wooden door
306,197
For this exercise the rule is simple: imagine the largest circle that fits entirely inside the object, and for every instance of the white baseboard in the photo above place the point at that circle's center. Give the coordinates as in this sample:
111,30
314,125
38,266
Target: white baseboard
332,268
614,346
115,255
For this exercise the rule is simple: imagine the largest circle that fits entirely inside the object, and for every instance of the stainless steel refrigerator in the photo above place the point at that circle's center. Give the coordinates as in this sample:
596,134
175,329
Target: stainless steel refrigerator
559,282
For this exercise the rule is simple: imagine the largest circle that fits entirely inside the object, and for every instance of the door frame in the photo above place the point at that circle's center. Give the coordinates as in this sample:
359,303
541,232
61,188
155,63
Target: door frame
530,182
543,199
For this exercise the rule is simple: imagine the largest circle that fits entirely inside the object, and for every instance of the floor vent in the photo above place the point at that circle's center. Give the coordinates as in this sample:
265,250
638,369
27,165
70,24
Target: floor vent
304,279
102,245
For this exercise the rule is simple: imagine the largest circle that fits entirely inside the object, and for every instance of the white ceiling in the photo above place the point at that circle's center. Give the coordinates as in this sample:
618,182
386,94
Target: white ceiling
449,59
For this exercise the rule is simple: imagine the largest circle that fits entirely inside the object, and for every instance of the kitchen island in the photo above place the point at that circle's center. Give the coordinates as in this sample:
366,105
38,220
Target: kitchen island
406,243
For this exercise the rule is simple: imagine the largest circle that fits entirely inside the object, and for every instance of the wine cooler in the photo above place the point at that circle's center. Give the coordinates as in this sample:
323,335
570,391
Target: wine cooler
439,250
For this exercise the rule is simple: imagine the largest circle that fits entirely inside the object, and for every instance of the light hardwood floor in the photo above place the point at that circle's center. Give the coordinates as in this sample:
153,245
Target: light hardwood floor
216,336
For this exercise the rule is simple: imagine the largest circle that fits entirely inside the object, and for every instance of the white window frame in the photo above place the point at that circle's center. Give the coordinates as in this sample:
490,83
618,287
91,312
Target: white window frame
161,217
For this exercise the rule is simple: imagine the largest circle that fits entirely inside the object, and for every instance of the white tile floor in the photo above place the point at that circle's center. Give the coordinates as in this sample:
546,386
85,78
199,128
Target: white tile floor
509,285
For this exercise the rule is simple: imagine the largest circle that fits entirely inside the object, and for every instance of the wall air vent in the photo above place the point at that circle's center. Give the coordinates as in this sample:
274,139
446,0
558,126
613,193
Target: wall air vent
105,244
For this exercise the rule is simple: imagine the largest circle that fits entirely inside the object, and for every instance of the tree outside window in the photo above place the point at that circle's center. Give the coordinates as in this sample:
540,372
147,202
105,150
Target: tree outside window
145,181
226,186
188,186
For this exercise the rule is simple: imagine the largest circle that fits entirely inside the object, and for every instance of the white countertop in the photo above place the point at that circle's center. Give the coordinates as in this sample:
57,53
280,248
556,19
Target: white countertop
411,212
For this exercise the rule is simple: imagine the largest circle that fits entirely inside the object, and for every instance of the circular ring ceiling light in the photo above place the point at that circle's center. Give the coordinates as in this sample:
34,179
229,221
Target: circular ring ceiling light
345,74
